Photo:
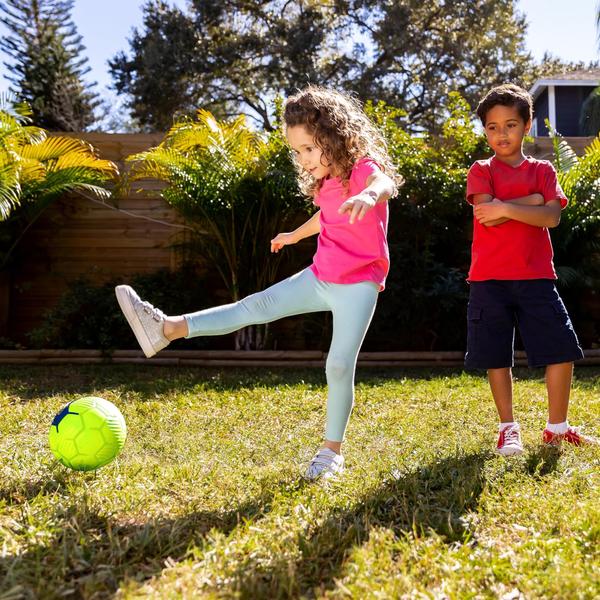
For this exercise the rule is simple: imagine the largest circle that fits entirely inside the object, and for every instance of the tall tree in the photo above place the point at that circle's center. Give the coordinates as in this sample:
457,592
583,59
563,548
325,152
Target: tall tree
238,54
48,66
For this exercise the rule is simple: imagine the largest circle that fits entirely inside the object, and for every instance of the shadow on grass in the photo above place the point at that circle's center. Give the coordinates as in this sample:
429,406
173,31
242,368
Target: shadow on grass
34,382
96,554
542,461
431,500
92,554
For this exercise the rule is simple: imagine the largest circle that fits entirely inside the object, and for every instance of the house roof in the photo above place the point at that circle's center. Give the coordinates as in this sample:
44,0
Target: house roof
584,77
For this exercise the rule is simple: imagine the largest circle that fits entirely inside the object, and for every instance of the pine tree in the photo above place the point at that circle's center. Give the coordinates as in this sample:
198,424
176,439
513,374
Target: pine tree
48,66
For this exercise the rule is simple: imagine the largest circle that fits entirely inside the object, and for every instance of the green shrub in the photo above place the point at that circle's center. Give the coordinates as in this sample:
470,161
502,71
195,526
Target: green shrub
88,315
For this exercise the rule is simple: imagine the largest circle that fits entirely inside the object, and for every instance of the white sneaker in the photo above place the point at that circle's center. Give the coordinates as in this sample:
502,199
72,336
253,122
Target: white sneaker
509,441
145,320
325,465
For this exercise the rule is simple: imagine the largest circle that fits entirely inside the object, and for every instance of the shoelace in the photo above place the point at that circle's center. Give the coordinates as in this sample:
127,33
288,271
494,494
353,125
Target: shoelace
156,313
511,435
321,459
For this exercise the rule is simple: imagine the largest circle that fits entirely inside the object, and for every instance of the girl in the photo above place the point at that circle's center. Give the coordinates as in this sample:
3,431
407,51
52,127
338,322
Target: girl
343,165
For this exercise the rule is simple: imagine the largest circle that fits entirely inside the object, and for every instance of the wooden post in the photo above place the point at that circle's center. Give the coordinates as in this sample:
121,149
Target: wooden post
4,301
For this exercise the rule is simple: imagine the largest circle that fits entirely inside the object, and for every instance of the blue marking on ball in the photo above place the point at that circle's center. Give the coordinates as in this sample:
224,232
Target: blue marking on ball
62,414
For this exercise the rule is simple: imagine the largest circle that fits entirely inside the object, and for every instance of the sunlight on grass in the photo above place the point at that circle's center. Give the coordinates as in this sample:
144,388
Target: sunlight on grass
206,499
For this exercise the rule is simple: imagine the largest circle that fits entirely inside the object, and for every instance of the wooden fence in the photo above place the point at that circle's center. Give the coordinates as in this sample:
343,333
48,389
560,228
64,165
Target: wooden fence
78,237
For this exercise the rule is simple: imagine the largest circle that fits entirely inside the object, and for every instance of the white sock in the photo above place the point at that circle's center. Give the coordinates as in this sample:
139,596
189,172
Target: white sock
503,426
558,428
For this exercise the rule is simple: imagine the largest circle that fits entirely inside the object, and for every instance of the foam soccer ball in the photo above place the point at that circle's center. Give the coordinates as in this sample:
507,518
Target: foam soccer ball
87,433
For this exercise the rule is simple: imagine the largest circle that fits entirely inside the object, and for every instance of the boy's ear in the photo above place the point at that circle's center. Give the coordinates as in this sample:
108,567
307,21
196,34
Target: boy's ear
527,126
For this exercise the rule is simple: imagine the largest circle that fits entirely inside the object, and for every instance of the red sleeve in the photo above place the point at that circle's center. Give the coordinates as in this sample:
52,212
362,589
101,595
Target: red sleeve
551,189
479,181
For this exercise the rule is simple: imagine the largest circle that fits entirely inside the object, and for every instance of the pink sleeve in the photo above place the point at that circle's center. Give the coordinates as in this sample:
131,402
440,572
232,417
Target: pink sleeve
362,170
479,181
551,189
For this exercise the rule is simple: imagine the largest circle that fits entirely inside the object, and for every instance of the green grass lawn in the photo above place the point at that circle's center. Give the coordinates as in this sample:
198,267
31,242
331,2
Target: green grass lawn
206,499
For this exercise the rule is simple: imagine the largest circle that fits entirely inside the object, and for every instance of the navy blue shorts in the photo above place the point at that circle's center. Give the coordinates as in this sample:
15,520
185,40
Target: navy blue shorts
496,307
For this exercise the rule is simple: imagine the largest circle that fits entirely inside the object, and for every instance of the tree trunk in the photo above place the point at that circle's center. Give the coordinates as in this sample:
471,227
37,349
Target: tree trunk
253,337
4,301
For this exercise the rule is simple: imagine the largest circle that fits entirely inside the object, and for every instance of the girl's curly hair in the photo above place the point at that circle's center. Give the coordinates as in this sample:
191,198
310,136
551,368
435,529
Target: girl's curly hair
341,130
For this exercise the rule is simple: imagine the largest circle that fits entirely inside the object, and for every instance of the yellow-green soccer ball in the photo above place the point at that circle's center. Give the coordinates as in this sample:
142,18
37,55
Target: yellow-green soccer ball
87,433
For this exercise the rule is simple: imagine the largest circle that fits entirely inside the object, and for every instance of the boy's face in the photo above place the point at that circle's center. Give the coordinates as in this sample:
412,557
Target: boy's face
505,130
307,153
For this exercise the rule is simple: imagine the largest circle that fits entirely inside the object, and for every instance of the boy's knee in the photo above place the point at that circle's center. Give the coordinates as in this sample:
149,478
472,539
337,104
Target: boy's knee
337,367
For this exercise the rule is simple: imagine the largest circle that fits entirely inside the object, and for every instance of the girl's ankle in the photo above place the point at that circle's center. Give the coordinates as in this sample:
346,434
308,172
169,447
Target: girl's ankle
173,328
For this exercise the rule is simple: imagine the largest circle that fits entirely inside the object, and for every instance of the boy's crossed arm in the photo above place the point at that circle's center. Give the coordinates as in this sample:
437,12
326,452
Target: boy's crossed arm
532,210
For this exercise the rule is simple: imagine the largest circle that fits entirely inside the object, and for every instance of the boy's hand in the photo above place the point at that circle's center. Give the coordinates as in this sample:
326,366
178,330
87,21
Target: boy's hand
281,240
358,206
489,211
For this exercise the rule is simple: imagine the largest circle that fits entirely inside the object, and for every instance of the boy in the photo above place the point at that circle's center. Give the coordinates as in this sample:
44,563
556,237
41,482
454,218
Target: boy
515,200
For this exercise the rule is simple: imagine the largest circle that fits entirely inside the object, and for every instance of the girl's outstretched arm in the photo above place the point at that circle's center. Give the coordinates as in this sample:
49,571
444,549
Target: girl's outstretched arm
310,227
380,188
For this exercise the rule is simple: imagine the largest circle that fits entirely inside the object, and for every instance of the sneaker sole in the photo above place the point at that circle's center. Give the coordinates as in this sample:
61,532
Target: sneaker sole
122,294
510,452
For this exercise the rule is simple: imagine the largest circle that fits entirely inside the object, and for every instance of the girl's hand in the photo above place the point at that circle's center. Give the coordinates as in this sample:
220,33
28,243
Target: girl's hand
358,206
489,211
281,240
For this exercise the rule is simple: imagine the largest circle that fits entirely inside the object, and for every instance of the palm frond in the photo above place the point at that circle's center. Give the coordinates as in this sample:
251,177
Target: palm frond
55,146
564,156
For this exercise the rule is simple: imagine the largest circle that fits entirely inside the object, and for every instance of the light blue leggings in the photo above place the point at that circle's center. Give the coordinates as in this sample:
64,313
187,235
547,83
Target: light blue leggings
352,306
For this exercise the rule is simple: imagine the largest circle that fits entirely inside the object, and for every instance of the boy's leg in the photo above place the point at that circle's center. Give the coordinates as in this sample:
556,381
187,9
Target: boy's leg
295,295
501,385
558,384
353,306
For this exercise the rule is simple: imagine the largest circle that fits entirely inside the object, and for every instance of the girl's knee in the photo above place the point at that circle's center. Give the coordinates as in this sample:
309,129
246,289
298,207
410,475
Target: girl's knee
338,368
257,305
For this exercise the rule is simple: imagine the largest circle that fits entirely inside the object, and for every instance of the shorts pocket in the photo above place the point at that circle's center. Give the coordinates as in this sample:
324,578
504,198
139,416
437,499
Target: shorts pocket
474,314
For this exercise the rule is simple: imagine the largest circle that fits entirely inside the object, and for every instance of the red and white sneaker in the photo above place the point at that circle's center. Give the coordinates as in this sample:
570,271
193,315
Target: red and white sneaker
573,436
509,441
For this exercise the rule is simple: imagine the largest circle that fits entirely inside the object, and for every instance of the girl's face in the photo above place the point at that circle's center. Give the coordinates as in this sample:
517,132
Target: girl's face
307,153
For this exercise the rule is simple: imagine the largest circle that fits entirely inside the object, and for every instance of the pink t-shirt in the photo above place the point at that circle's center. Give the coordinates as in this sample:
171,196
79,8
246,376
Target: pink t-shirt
351,253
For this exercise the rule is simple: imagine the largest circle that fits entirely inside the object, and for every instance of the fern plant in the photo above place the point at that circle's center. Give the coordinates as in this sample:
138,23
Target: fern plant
576,240
235,189
36,169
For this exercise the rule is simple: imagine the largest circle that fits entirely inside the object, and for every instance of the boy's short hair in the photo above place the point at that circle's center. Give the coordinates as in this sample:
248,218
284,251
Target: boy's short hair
507,95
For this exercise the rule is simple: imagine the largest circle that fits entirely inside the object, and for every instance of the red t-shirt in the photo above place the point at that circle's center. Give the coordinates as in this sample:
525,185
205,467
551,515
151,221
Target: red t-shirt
512,250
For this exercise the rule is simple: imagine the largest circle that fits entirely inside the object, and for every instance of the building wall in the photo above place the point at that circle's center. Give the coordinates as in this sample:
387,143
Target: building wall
540,113
569,101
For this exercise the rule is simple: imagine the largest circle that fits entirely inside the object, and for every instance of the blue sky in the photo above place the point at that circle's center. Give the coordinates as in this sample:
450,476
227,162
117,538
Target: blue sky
565,28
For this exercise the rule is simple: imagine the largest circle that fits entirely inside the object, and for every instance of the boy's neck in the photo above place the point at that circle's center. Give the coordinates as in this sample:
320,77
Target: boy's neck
513,160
